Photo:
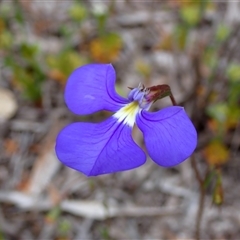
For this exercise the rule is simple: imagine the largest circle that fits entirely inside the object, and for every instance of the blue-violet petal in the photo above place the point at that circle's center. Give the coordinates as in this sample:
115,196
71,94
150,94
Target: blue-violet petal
90,88
169,135
102,148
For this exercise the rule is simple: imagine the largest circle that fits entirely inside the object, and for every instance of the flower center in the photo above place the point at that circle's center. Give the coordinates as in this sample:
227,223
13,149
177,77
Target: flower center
140,94
127,114
139,100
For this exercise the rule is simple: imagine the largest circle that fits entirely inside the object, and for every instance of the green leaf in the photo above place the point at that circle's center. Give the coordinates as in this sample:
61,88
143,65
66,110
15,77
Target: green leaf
62,64
190,14
181,34
6,40
105,234
28,51
208,179
233,72
64,227
223,32
218,111
54,214
210,57
233,115
5,10
78,12
27,78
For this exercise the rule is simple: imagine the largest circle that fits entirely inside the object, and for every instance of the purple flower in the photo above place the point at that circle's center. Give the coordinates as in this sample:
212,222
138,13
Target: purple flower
108,147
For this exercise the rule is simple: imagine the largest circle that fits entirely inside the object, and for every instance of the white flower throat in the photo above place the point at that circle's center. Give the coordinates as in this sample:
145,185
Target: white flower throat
127,114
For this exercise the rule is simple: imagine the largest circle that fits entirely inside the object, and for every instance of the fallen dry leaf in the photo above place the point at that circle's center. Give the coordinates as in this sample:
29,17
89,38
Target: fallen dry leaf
216,153
10,146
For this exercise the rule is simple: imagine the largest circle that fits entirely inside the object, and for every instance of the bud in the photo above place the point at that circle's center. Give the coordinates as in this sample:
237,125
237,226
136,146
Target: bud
154,93
158,92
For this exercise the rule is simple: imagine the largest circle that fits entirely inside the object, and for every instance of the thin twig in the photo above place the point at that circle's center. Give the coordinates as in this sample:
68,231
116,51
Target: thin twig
200,212
201,199
195,169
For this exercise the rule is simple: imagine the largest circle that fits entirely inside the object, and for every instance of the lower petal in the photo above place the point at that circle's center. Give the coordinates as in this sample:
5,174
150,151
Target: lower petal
169,135
95,149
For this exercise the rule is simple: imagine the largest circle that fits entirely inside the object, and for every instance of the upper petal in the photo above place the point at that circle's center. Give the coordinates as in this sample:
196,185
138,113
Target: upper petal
90,88
95,149
169,135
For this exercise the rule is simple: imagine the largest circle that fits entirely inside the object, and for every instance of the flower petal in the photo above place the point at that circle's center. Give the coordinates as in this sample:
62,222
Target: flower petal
90,88
95,149
169,135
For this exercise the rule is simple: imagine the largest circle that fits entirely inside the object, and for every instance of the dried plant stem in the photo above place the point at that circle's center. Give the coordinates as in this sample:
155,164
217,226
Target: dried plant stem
200,213
174,103
201,199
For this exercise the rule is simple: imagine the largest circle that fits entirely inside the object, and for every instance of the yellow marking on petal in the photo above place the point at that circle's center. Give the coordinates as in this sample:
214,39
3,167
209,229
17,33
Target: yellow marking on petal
127,114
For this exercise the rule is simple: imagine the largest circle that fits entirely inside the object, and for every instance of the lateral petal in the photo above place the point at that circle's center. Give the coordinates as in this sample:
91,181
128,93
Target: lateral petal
102,148
90,88
169,135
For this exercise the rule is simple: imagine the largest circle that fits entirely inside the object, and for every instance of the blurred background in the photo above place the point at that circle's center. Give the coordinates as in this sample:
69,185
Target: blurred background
193,46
